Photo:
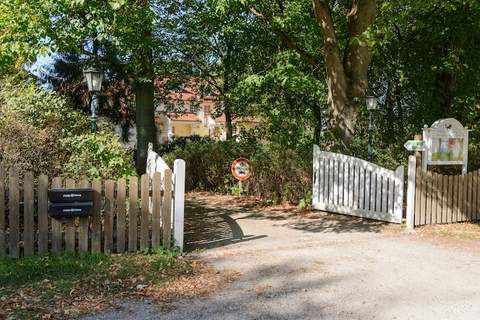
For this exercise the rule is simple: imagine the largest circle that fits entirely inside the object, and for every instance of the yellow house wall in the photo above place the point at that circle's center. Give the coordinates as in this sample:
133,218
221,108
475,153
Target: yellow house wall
182,129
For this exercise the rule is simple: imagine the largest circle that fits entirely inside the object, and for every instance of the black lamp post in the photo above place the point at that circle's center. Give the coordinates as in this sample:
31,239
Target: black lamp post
371,106
94,81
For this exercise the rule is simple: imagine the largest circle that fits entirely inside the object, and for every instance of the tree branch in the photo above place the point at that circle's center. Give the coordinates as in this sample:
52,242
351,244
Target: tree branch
284,38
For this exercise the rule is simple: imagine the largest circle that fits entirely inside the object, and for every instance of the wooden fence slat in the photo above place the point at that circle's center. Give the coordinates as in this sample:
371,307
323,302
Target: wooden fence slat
461,208
340,183
356,187
108,216
13,213
96,218
321,179
335,182
43,218
444,198
167,209
450,199
2,212
28,210
384,194
132,214
70,223
367,190
391,195
121,214
428,198
464,198
438,198
361,203
423,199
378,191
156,211
144,221
346,179
373,191
57,223
476,194
330,180
468,197
83,224
418,191
457,210
351,184
434,198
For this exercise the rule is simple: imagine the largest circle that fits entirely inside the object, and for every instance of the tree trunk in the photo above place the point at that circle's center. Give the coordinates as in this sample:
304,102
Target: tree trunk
144,90
145,122
228,122
347,76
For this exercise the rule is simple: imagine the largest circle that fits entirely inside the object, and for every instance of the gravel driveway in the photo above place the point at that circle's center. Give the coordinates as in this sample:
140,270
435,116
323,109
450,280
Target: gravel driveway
326,267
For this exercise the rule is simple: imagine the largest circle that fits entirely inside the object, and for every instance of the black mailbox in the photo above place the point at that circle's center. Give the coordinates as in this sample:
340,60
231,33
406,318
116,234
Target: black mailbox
66,203
74,209
70,195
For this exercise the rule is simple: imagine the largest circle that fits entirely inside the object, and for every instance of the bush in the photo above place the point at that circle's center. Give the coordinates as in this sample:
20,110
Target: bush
278,174
97,156
41,132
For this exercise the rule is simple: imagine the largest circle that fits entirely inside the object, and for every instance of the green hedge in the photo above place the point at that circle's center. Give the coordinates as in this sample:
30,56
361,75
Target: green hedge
279,174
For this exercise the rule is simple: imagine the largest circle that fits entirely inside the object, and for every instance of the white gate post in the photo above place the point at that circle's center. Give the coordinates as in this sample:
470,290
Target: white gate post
179,200
412,163
316,175
398,204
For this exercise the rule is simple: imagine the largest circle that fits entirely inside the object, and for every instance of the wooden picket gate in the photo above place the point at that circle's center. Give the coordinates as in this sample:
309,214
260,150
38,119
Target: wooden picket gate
353,186
123,219
437,199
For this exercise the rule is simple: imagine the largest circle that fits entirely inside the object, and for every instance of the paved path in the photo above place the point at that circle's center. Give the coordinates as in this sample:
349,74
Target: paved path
326,268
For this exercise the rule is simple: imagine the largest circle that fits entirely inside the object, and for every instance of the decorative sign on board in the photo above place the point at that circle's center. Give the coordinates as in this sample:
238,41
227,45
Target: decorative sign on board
446,143
241,169
414,145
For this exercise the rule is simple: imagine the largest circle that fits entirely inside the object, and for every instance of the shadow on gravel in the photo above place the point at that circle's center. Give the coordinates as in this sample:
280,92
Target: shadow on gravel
207,228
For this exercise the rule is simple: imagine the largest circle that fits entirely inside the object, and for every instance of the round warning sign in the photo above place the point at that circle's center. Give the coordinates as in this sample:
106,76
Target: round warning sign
241,169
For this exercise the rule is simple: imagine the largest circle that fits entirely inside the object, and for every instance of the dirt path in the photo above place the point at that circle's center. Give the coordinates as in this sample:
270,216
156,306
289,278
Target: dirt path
321,267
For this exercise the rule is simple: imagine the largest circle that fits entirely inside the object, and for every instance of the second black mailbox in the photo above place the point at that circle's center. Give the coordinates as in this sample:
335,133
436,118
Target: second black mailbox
70,202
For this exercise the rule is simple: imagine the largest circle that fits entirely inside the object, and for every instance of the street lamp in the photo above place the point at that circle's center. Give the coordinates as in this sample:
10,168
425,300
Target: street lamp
372,105
94,82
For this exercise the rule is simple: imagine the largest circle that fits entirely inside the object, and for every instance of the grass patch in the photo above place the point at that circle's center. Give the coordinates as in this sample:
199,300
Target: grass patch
67,285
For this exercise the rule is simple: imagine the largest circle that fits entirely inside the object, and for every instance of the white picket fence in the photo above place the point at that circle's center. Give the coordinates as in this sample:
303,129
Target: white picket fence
352,186
155,163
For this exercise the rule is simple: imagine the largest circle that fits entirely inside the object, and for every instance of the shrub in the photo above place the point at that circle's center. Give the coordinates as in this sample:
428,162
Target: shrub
41,132
278,174
97,156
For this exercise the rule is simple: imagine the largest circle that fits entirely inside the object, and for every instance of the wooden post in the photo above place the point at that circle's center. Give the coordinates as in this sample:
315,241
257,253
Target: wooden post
179,202
96,219
57,223
70,224
144,214
167,209
83,225
13,213
411,191
28,208
108,216
43,214
121,214
156,209
132,214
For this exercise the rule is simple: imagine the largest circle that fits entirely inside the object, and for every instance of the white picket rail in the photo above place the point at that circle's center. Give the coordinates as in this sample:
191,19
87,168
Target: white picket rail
352,186
155,163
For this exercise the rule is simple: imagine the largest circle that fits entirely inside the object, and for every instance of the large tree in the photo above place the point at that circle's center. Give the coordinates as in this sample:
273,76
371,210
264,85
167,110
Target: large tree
92,30
331,36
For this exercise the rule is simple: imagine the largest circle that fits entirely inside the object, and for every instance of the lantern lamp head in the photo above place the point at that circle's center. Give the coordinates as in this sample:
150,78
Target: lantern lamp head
94,79
371,102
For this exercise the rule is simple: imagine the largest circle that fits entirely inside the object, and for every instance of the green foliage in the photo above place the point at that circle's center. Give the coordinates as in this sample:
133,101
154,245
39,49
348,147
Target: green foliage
41,132
279,174
97,156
